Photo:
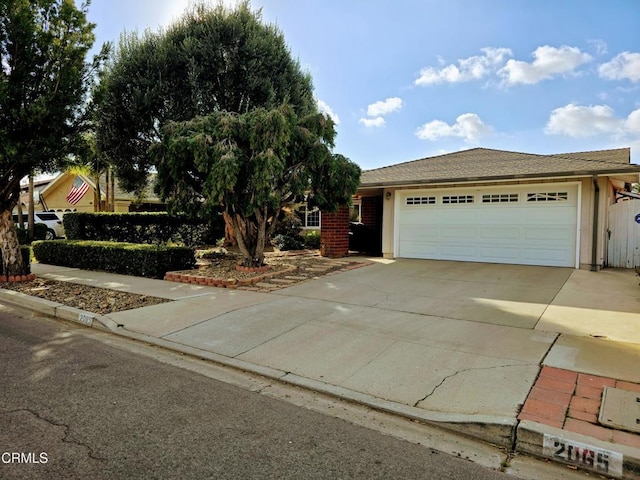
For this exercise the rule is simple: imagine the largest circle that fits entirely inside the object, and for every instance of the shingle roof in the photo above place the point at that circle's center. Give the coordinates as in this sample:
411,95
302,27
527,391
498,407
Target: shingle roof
488,164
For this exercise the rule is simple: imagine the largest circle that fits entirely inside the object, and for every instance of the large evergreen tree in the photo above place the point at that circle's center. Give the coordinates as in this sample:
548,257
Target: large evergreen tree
44,80
219,106
253,165
210,60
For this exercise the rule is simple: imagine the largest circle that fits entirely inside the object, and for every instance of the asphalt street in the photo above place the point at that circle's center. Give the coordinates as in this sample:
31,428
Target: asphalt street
75,404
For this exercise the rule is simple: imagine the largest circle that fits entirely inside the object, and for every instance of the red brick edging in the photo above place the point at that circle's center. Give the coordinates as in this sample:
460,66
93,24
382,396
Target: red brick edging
17,278
222,282
571,401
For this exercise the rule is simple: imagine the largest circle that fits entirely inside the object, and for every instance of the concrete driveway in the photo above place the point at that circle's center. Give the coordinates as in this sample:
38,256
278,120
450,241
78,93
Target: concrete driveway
460,343
602,304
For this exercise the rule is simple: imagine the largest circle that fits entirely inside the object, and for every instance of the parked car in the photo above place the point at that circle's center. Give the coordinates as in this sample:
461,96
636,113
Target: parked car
55,228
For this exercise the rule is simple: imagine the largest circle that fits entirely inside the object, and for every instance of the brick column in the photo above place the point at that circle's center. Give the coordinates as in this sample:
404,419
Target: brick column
334,233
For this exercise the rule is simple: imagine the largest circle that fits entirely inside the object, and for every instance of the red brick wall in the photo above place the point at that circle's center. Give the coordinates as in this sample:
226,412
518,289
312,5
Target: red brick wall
370,210
334,234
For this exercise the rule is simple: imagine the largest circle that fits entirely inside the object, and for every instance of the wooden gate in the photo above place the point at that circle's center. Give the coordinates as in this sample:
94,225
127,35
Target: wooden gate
623,250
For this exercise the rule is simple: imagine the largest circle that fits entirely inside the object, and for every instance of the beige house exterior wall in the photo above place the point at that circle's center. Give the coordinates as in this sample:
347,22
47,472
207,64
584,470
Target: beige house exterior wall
56,199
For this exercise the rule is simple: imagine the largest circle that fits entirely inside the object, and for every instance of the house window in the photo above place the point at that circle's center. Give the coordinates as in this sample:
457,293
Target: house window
355,212
421,200
456,199
548,197
500,198
309,218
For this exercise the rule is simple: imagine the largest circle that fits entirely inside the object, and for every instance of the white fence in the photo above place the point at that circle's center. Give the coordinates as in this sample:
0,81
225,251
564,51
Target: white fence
623,249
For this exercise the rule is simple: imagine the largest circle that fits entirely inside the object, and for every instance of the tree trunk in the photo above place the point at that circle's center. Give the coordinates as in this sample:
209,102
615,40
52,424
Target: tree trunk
11,257
32,216
250,235
108,190
112,180
229,233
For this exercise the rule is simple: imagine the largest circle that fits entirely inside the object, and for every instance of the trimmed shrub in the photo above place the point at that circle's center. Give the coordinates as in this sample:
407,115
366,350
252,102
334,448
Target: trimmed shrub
26,259
141,260
39,233
287,242
150,228
312,240
287,233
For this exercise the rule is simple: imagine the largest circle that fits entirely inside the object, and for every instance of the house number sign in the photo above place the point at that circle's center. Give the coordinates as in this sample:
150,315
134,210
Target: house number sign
581,455
637,218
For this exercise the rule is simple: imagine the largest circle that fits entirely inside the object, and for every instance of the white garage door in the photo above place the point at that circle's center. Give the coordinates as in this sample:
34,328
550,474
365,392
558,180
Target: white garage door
527,225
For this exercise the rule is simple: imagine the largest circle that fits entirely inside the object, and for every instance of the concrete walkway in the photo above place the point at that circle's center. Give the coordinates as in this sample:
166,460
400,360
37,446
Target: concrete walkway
460,344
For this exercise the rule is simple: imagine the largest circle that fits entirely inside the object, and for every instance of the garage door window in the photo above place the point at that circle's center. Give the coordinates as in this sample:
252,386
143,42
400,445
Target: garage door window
421,200
548,197
456,199
500,198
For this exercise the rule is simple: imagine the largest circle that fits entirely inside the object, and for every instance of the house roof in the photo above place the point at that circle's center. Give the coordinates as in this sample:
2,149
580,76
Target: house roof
483,164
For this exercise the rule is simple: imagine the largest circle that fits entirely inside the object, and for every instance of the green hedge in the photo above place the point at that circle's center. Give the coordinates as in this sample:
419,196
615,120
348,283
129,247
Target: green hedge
26,259
151,228
39,232
141,260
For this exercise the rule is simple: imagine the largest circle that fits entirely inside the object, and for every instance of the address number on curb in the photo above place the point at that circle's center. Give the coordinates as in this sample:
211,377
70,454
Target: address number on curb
582,455
85,319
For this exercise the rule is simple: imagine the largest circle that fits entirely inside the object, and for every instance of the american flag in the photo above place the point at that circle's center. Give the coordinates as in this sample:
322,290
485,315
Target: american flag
78,189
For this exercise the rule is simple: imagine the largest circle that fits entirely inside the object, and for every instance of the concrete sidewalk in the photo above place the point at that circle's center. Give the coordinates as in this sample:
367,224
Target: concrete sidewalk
476,348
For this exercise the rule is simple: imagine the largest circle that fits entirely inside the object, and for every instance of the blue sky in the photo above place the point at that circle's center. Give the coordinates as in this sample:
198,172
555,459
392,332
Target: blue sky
407,79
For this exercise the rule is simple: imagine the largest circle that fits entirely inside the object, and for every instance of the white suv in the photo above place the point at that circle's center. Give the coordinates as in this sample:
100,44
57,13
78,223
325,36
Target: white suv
55,229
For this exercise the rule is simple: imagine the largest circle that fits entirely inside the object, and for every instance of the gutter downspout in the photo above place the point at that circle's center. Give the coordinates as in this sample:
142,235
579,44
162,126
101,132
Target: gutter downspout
594,240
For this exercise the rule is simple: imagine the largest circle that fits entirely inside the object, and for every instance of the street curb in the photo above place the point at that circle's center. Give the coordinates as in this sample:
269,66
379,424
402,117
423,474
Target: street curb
530,437
57,310
498,430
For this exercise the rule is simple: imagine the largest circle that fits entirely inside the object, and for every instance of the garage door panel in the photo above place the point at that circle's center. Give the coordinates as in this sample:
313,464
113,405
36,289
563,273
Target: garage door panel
549,215
499,215
553,257
499,233
499,254
418,233
448,232
505,228
458,215
420,249
458,251
566,235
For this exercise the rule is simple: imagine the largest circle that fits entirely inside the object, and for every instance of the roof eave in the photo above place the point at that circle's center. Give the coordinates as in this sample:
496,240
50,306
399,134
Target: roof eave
494,178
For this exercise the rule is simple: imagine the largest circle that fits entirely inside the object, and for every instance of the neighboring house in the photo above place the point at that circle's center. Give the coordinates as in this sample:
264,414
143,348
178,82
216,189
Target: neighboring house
56,196
493,206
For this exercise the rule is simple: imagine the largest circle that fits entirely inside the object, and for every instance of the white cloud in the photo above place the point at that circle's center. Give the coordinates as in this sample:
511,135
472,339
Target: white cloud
384,107
327,110
632,123
373,122
472,68
626,65
580,122
377,110
548,62
468,126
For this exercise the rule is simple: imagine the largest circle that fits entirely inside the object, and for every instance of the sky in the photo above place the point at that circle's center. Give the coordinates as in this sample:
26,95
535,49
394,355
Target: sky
408,79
